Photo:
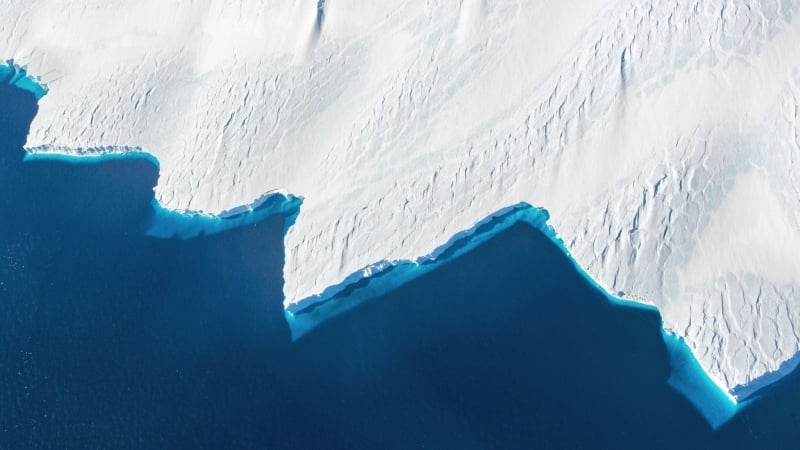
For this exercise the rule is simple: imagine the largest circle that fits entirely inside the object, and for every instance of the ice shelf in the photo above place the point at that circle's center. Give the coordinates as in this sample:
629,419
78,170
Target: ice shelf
662,138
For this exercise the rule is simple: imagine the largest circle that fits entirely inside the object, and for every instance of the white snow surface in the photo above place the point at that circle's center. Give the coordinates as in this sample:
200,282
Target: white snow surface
661,136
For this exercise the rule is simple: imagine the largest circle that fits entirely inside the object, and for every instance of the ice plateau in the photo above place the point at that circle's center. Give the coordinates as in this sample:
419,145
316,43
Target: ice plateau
661,136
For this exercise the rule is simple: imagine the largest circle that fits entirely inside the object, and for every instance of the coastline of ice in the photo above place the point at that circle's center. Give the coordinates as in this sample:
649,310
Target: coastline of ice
688,376
166,223
15,75
661,139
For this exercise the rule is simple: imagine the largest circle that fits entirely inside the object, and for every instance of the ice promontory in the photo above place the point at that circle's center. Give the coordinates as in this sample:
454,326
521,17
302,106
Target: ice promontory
661,136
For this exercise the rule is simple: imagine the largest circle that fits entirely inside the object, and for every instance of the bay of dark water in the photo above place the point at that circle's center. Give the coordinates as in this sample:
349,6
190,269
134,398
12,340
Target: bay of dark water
111,339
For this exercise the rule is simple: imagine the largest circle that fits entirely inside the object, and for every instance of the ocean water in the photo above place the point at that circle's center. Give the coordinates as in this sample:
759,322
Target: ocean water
110,338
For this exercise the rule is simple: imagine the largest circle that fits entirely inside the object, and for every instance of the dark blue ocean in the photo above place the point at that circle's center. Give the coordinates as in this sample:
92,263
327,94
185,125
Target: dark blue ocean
112,339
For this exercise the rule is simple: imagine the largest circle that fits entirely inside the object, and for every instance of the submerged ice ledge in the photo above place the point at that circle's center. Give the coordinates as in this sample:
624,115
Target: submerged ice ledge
166,223
687,377
383,276
16,75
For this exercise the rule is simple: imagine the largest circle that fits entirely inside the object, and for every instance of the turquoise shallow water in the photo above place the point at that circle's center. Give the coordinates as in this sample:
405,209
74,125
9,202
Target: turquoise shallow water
11,74
112,338
687,376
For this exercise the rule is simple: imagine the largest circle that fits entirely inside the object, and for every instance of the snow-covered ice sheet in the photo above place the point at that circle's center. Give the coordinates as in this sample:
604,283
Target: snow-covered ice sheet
661,136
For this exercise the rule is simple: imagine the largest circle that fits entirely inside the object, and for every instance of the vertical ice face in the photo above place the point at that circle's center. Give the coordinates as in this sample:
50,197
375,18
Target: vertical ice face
661,137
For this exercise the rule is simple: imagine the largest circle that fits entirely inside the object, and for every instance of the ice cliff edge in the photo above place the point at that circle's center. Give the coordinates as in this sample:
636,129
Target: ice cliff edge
661,137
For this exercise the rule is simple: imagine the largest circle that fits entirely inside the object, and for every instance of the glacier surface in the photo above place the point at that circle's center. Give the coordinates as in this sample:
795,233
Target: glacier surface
660,136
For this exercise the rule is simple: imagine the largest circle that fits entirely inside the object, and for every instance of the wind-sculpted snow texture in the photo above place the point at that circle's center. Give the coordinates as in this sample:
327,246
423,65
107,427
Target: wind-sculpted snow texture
661,136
